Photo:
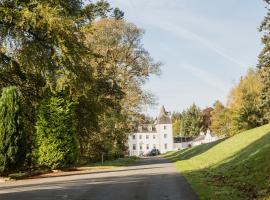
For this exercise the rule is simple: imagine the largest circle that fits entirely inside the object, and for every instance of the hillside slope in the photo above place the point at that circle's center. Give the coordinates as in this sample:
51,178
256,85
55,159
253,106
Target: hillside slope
234,168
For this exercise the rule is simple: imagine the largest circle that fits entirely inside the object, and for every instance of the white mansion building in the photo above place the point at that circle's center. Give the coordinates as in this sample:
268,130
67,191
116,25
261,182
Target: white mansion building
152,136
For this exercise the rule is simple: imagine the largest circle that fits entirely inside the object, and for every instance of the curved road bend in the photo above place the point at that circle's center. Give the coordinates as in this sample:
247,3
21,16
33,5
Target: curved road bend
148,179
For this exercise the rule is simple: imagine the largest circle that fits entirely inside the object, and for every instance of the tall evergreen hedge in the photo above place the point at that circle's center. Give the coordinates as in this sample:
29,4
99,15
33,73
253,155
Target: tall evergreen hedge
56,135
12,134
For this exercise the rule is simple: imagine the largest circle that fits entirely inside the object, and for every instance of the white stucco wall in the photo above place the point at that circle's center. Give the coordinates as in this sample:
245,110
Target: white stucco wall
165,134
210,138
163,137
143,142
197,143
179,146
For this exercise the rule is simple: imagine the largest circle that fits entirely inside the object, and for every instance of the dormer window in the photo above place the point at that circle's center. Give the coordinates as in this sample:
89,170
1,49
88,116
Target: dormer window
140,128
150,128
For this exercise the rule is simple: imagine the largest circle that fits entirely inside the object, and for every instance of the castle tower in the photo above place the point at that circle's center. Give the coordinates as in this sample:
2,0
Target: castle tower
165,131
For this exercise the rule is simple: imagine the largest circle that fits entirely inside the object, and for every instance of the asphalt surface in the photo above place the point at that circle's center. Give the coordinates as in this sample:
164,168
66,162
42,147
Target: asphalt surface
148,179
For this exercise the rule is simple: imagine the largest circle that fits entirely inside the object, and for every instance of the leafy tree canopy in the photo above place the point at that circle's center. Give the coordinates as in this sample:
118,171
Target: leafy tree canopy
244,103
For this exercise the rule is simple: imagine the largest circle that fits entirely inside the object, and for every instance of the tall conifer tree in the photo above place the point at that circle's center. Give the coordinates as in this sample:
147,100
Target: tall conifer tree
56,140
12,135
264,66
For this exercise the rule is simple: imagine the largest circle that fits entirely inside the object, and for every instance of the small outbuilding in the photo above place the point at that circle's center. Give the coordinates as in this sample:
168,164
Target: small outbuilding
204,138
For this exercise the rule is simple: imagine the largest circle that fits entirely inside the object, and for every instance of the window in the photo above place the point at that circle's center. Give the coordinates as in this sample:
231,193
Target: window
134,146
140,147
165,127
154,146
154,136
150,128
140,137
147,136
133,137
165,135
147,146
165,146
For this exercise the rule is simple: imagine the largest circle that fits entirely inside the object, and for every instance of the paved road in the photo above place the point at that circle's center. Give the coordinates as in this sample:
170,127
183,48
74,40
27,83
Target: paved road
148,179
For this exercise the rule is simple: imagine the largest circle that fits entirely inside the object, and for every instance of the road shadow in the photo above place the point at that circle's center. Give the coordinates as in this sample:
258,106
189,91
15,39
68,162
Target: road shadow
153,160
87,173
141,186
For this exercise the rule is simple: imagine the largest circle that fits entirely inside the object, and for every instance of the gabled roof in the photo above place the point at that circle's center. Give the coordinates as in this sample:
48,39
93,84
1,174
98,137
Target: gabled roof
163,117
202,137
145,128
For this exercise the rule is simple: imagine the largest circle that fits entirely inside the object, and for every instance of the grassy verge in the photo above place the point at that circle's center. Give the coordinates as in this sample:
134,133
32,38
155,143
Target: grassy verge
114,163
79,169
231,169
27,174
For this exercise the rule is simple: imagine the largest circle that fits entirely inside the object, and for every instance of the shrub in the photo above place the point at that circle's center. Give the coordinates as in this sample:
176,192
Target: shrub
56,138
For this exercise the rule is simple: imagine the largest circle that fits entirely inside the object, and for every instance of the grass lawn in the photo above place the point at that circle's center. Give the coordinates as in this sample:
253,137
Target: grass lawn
85,168
230,169
114,163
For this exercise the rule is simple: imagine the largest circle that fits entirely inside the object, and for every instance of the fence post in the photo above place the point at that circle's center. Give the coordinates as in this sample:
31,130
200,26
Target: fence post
102,158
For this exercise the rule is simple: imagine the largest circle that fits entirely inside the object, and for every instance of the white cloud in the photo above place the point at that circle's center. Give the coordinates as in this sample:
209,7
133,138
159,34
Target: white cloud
183,32
228,40
154,13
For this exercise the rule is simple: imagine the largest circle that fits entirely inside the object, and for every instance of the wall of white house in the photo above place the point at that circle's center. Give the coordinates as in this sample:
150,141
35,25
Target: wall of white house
143,142
180,146
207,139
166,137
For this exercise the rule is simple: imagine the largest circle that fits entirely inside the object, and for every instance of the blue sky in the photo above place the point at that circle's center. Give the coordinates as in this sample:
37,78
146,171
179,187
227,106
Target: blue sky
205,46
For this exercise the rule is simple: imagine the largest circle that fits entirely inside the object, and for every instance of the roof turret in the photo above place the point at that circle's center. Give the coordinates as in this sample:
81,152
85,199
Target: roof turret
164,117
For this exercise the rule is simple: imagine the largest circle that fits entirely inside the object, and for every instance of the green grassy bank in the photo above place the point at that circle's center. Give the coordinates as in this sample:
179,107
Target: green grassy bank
233,168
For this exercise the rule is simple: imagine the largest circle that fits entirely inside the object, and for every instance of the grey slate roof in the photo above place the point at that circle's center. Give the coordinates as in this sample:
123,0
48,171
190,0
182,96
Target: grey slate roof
164,117
145,128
